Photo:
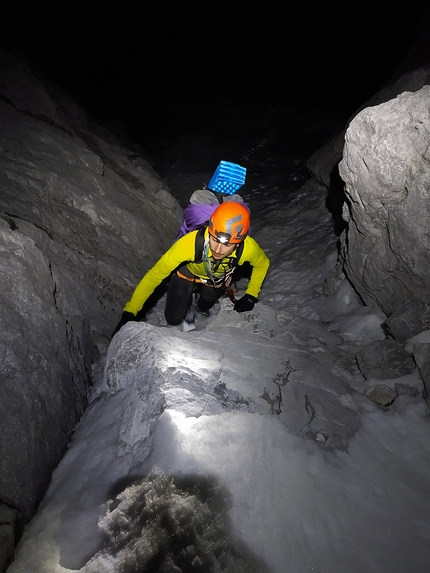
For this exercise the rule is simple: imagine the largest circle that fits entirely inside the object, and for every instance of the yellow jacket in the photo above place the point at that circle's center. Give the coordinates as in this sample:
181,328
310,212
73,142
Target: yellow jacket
183,252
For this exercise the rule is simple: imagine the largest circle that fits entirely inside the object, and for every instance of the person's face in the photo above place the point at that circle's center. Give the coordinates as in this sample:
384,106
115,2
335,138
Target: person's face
220,250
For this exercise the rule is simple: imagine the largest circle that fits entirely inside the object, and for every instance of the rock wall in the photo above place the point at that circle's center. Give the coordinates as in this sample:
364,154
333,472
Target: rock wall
377,186
323,164
324,161
387,185
82,217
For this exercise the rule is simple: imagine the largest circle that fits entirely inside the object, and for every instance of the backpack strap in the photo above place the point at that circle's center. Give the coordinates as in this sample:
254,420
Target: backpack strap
239,252
200,243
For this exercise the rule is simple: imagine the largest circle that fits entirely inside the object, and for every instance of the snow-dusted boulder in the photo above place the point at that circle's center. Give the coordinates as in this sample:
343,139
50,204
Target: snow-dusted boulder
184,433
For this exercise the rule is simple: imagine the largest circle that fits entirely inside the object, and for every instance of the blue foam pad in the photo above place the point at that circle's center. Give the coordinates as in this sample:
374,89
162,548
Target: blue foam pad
228,178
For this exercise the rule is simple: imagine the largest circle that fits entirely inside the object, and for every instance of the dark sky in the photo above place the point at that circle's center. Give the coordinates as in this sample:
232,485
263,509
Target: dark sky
150,64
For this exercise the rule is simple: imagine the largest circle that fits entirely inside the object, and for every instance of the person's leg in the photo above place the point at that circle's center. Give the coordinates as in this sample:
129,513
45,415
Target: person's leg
177,300
208,297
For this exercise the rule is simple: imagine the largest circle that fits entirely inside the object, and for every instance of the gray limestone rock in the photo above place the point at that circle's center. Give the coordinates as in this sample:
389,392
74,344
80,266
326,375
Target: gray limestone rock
82,217
323,162
387,184
384,360
421,354
8,520
382,394
408,320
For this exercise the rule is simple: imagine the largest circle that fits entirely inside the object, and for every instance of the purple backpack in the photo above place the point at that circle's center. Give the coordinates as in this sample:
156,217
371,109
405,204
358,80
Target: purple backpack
194,217
202,204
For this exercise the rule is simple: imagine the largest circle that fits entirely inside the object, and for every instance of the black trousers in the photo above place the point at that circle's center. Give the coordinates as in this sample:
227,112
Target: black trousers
179,293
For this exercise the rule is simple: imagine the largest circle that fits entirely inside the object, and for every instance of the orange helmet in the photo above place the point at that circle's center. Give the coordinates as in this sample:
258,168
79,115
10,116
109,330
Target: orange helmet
230,222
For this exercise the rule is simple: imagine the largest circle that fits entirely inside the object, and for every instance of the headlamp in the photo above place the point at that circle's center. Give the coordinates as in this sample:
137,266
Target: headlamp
223,238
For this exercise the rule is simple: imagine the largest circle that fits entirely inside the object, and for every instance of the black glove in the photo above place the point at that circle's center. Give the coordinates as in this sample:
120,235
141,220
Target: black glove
245,303
126,317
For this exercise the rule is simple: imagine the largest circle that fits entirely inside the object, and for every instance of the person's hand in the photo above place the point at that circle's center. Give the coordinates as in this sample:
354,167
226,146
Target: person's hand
245,303
126,317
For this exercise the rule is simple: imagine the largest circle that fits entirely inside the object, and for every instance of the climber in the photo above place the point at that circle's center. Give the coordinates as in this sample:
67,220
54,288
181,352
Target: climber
204,260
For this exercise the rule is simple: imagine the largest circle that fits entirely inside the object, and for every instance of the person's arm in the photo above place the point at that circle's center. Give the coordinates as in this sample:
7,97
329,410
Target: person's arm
181,251
260,263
